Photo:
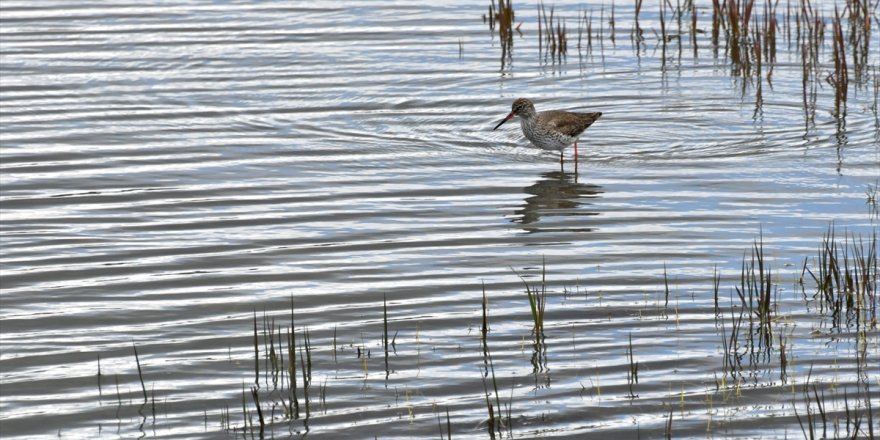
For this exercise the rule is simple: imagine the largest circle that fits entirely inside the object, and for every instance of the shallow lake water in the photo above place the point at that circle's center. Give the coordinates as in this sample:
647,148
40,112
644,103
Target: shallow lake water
174,175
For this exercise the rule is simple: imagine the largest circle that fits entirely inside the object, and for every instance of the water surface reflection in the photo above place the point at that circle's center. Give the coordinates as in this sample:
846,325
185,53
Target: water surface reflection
557,194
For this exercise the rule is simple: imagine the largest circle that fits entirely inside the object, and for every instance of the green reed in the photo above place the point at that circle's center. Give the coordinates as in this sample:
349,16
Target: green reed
537,303
256,397
845,276
256,352
291,364
632,376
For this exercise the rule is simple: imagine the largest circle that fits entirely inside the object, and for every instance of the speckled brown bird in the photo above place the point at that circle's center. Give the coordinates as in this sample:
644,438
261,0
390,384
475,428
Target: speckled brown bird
553,129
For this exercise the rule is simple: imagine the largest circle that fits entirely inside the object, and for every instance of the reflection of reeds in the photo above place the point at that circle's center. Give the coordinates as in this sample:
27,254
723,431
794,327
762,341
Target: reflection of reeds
140,373
667,429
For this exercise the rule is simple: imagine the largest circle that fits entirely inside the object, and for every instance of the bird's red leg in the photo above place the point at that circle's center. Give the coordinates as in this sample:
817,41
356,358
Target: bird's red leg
575,151
561,160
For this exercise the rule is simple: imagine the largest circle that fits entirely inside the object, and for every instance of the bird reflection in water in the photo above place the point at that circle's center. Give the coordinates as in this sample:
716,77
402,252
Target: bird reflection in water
557,194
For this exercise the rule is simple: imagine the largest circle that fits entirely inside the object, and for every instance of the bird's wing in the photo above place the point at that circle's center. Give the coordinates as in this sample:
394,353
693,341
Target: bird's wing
571,124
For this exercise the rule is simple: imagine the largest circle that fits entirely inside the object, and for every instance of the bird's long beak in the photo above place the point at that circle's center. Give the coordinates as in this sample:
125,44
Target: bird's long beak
506,118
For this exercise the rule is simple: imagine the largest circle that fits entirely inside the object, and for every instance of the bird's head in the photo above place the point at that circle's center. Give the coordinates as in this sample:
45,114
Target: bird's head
522,107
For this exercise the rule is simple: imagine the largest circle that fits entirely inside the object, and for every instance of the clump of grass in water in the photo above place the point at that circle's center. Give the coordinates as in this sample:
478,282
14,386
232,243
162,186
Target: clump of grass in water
845,277
756,303
755,282
855,413
552,35
280,372
502,19
537,303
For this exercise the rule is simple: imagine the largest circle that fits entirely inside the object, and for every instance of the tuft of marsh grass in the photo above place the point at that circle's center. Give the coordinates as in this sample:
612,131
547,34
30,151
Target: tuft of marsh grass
501,18
751,331
537,303
552,34
845,276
